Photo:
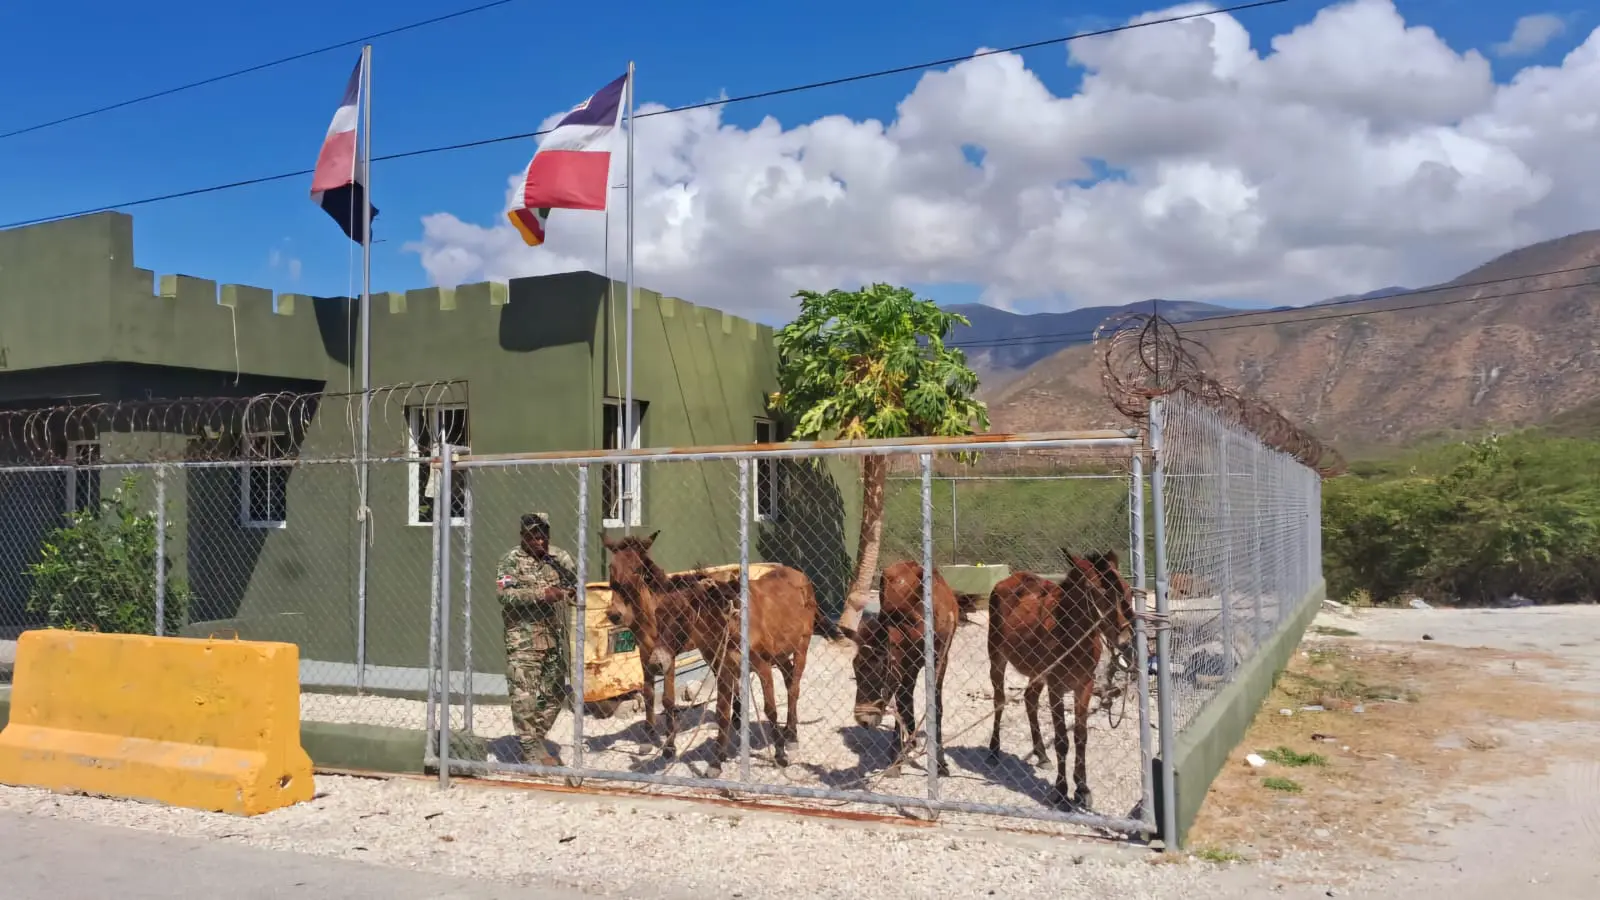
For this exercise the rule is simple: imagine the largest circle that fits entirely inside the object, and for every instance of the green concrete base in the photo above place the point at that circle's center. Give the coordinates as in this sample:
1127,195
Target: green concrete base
975,580
1202,748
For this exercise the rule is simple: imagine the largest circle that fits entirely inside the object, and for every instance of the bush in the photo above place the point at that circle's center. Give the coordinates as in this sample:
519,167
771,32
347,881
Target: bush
1470,524
98,571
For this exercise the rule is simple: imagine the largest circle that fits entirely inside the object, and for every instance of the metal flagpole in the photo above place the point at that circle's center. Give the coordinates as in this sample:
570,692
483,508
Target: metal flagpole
363,515
630,494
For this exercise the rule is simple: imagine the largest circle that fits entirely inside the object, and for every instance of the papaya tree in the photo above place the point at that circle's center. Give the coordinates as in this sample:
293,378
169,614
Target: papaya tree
869,364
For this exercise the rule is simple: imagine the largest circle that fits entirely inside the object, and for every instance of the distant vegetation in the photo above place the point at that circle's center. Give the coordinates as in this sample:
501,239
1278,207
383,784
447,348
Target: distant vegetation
1472,522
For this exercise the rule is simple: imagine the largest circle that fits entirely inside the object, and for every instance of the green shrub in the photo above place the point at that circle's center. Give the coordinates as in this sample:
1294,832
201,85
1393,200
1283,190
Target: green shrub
1470,523
98,571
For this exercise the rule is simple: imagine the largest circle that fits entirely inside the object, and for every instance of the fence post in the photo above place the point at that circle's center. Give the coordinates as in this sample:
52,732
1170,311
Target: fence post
955,526
581,617
161,551
433,620
1141,641
1224,532
745,708
930,683
441,524
1164,697
467,672
1257,551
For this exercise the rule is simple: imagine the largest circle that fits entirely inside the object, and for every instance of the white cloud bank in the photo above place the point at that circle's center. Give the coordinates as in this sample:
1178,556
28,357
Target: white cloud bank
1359,152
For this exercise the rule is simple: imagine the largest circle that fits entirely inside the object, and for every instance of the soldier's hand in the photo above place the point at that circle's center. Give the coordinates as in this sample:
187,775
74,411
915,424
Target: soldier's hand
553,594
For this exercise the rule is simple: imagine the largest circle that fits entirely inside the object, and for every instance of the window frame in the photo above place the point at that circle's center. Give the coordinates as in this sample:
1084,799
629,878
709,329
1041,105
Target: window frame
82,469
628,477
267,461
418,468
764,483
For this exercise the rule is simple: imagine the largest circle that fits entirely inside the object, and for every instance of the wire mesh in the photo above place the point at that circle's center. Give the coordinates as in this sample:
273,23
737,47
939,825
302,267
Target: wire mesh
1243,546
748,564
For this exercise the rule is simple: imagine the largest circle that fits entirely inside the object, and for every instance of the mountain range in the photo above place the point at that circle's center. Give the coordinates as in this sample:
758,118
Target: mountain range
1514,342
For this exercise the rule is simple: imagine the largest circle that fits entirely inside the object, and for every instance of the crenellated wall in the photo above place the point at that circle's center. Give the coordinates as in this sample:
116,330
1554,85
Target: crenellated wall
536,355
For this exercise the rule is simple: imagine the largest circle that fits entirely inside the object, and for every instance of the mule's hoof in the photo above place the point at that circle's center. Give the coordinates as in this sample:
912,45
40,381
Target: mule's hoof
669,752
892,772
714,770
791,740
944,769
1039,760
994,757
1058,797
1083,798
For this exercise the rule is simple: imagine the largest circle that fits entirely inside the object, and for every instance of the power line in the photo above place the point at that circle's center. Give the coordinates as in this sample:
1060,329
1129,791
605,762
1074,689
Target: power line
256,68
1199,326
742,98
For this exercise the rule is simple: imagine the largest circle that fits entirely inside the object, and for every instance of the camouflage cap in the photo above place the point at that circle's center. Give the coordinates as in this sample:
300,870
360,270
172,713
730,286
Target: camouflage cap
535,521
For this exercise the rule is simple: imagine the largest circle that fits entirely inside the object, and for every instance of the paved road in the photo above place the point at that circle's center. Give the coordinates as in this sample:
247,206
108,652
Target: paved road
48,859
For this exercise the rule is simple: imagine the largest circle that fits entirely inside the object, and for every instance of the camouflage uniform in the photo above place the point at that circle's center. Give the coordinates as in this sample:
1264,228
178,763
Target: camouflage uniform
536,645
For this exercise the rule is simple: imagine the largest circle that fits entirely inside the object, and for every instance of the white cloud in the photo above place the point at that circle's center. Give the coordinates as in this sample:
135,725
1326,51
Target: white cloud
1359,152
1531,34
291,266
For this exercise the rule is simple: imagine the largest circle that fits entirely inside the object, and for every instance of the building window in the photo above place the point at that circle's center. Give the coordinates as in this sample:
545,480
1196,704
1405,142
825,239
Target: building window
765,477
621,493
83,480
430,426
264,480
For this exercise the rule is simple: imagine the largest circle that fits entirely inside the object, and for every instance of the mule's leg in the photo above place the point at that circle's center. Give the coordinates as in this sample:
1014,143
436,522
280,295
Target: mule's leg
944,666
997,680
769,705
905,722
648,692
1058,721
793,668
1080,735
1030,702
669,712
727,692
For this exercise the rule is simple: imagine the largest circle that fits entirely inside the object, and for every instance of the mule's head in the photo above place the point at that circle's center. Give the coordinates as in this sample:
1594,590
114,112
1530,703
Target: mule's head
633,577
873,664
1110,595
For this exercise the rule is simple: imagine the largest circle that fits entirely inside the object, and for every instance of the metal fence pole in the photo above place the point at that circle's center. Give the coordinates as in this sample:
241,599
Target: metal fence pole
433,618
955,525
745,706
581,617
161,550
930,684
1224,533
1257,551
467,668
1141,641
1164,695
441,524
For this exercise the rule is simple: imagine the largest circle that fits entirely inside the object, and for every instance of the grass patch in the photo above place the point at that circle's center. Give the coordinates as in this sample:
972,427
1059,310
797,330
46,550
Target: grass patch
1284,785
1332,631
1286,756
1217,855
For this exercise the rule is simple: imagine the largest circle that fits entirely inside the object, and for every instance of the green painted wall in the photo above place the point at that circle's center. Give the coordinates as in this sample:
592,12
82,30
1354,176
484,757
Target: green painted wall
532,360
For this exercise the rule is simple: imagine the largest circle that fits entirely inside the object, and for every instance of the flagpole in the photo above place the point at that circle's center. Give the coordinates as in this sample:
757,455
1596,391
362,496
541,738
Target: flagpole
631,495
363,515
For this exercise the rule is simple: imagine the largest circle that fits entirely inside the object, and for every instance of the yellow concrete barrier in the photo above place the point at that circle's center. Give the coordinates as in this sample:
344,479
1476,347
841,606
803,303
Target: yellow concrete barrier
204,724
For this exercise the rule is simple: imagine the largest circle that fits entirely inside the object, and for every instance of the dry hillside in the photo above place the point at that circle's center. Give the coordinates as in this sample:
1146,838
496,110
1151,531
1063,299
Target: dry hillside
1461,357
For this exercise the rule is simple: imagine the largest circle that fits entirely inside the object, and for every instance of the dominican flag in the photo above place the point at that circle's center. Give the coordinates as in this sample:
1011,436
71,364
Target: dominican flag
338,184
572,168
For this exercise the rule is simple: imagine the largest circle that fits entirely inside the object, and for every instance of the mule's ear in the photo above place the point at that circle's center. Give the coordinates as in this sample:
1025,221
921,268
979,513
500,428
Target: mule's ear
606,542
651,540
1071,558
1112,559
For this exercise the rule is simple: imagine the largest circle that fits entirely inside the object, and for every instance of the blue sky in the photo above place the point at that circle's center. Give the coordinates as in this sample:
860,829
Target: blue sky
492,73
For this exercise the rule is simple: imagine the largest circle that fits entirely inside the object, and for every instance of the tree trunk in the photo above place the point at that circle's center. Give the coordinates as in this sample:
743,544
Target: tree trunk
874,479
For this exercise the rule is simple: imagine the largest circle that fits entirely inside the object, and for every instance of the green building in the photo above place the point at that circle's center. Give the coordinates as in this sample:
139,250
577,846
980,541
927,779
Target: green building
261,494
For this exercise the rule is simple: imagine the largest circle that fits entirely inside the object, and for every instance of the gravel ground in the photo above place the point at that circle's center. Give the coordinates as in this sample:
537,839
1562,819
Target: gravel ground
636,845
833,751
597,845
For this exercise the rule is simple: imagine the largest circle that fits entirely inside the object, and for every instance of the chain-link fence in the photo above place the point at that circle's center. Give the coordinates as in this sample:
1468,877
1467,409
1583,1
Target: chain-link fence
712,652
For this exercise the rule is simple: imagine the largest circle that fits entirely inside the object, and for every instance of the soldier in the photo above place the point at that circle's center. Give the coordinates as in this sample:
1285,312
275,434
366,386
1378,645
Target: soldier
537,585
